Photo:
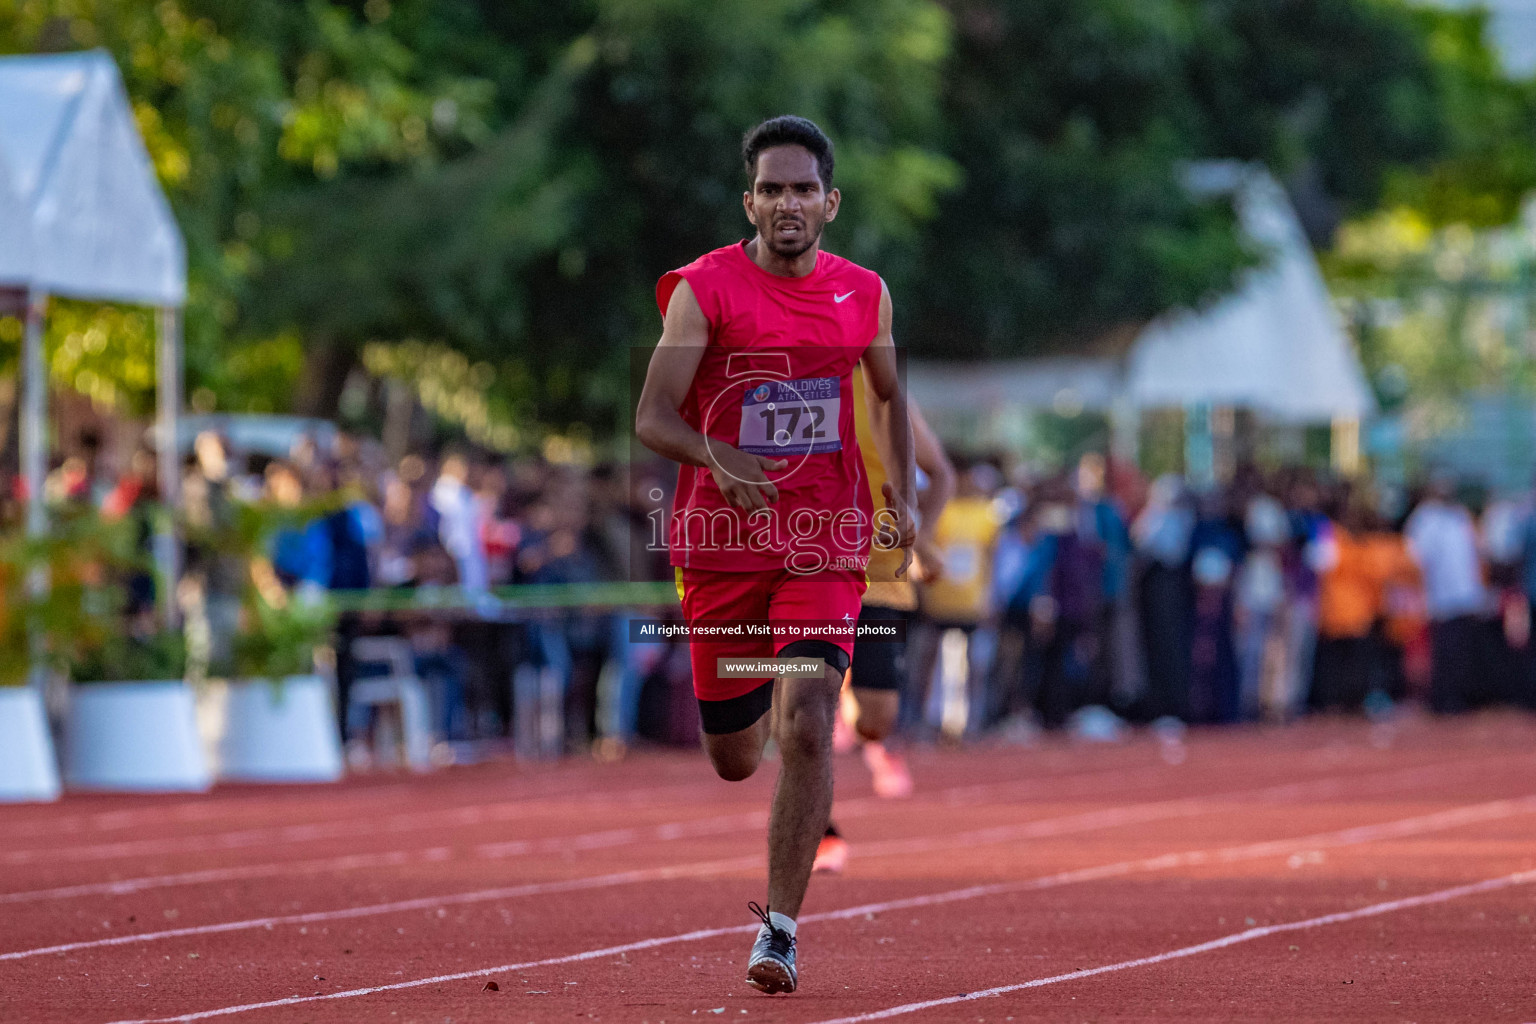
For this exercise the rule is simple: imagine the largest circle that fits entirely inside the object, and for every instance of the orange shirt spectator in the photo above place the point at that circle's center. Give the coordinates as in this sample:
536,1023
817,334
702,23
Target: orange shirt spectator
1401,588
1349,587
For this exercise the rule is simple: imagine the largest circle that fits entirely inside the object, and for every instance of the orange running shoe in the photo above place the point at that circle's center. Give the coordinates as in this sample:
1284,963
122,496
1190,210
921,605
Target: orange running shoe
892,780
831,853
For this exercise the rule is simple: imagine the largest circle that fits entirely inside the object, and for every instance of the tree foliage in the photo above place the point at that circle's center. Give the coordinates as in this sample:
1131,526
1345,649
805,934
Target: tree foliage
508,179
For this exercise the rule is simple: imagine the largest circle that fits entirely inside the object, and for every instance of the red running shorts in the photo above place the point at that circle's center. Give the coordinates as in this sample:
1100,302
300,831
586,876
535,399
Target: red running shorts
780,598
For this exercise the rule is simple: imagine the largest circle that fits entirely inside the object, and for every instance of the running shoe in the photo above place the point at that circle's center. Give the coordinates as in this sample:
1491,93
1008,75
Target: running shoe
831,852
891,778
771,968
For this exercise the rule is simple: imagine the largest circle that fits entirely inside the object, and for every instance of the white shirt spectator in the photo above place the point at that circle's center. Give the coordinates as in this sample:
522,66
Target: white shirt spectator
461,530
1443,542
1504,531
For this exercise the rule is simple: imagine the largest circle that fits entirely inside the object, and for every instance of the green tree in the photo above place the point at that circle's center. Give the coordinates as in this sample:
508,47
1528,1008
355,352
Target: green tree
1072,122
507,180
619,161
237,99
1069,121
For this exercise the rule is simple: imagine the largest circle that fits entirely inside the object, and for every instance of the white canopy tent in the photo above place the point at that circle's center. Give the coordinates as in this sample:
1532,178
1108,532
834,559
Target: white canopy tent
1274,345
84,217
15,234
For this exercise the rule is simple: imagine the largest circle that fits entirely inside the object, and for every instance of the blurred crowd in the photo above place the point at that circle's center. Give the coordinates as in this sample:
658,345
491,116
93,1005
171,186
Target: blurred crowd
1087,599
1275,595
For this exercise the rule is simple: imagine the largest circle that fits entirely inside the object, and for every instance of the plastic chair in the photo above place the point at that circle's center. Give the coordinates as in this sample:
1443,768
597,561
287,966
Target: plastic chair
398,700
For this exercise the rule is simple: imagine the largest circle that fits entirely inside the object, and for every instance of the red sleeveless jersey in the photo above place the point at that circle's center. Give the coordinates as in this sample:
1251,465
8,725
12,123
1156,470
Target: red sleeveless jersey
776,380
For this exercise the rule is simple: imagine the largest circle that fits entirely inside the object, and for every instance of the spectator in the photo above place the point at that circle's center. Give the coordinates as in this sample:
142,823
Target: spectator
501,532
1349,601
1308,529
1261,609
1443,541
1401,621
1068,622
1100,524
404,529
301,554
956,603
1162,534
355,530
1019,574
69,484
461,526
214,575
1219,548
133,497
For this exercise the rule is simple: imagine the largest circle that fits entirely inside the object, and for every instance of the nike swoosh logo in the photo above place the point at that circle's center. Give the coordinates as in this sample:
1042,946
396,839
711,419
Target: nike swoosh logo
840,298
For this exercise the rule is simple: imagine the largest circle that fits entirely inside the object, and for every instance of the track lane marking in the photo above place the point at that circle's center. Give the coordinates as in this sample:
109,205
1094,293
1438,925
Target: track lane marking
718,825
1112,817
1345,837
1236,938
695,828
469,814
350,794
472,813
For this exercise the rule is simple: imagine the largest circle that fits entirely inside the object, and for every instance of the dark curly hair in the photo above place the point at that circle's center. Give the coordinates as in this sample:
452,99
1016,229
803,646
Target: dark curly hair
788,130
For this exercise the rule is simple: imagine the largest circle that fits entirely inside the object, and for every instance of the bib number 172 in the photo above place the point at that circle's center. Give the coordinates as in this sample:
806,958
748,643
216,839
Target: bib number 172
792,417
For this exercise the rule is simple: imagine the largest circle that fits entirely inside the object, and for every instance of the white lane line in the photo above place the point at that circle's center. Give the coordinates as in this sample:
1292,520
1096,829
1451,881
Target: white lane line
1128,815
224,804
1392,829
603,839
155,811
413,821
468,814
720,825
474,814
1262,932
1134,814
478,814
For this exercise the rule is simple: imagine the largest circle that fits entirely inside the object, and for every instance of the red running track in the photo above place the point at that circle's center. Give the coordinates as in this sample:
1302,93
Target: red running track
1328,871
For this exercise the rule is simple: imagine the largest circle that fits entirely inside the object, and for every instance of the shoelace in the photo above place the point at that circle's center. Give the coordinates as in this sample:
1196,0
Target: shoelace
779,940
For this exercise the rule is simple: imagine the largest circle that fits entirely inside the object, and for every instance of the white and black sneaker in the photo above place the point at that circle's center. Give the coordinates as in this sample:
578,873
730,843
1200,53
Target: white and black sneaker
771,968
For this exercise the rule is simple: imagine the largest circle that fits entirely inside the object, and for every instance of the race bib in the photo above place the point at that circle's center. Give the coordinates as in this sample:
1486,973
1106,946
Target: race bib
792,417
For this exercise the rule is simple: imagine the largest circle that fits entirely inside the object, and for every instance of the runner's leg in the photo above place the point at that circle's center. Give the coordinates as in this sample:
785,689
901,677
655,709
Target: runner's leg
877,712
802,801
805,712
878,673
736,755
732,711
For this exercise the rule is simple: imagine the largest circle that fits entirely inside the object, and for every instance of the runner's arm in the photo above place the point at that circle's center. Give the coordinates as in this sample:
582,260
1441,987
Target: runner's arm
891,426
927,563
928,453
684,334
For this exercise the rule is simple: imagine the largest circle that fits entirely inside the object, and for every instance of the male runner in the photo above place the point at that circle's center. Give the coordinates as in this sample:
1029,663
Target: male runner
752,377
873,688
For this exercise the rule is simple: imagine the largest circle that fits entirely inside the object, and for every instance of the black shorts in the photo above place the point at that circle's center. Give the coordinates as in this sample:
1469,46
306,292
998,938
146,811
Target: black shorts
880,664
737,713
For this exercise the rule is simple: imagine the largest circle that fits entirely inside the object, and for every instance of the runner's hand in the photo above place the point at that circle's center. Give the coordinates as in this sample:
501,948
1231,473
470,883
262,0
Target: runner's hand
742,478
927,559
896,528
